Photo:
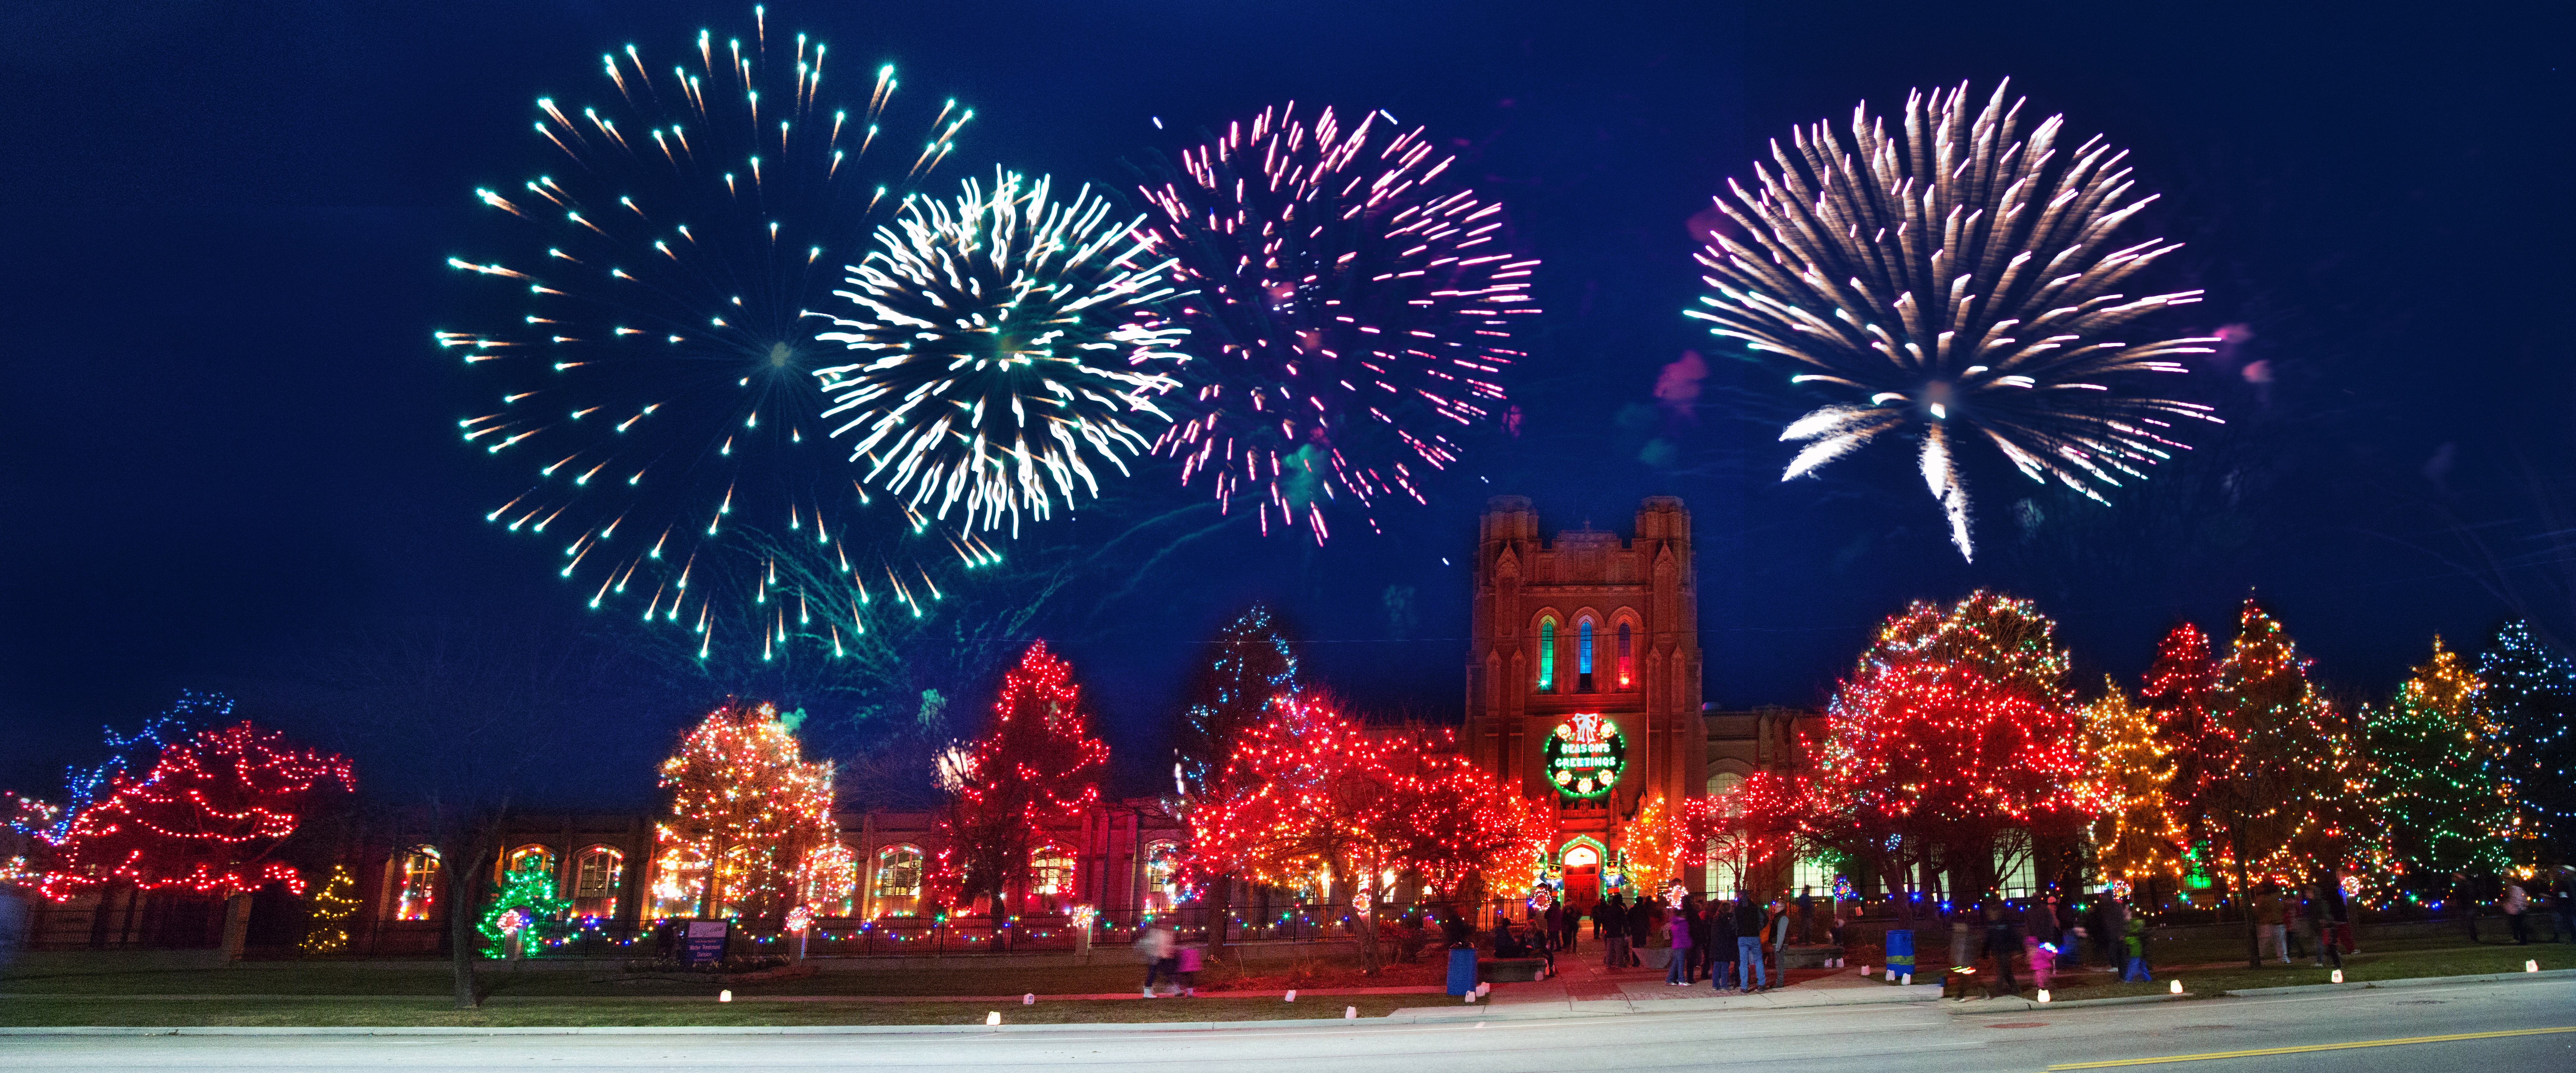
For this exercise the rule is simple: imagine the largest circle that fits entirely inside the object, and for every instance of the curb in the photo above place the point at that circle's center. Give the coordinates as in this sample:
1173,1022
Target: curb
2029,1006
706,1030
1579,1008
2411,981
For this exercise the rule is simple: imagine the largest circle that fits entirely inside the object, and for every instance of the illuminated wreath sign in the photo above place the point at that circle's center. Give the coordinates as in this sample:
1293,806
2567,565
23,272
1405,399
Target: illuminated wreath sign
1585,756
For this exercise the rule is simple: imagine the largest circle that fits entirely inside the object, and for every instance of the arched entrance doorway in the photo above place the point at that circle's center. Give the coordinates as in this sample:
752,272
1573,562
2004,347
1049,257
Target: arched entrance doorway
1580,862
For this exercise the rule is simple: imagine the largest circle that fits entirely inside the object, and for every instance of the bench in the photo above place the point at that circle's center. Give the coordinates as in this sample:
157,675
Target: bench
1509,970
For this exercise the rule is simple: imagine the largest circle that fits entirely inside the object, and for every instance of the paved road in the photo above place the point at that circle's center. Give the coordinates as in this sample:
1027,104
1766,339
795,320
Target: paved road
1856,1039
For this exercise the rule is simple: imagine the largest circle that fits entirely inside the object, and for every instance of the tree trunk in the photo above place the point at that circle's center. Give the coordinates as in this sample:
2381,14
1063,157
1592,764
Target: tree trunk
2253,930
471,854
236,926
1220,906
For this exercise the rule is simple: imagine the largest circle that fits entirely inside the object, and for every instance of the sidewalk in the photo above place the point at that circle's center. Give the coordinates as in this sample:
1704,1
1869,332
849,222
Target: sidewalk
1582,987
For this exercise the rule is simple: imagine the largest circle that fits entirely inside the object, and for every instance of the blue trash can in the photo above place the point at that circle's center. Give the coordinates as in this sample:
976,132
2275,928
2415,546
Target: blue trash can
1900,953
1462,970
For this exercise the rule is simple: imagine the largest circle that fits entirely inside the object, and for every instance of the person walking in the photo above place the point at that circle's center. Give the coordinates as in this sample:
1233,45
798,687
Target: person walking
1748,947
1677,968
2097,920
1155,946
1570,925
1611,919
2039,940
2516,901
2295,922
1806,915
1780,937
1721,946
2070,934
2331,921
2565,904
2465,892
2003,941
1552,925
2270,933
2133,943
1703,932
1641,929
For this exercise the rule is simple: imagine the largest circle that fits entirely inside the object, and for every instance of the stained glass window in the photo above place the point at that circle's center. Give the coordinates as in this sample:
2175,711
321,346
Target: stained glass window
1627,666
1547,655
1583,647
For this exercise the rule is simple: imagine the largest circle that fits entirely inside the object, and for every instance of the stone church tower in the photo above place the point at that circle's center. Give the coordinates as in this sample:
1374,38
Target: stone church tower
1583,676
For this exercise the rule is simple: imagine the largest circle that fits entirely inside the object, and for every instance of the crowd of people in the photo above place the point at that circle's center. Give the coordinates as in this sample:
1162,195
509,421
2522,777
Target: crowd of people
1736,945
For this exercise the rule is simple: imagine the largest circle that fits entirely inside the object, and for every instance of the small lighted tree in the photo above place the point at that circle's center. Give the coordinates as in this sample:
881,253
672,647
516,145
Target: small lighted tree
334,903
528,890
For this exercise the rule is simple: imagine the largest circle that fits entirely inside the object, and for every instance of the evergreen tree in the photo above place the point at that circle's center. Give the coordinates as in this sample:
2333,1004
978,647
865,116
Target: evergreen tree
2282,780
2437,777
1037,765
529,889
1249,665
2177,692
2530,695
751,833
2135,833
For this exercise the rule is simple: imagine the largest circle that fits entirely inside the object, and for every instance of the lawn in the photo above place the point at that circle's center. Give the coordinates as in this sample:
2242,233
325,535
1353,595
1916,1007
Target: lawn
2395,961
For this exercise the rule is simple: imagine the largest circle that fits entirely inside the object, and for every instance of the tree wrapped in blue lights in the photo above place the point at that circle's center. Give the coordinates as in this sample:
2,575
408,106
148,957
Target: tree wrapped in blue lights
127,755
2530,695
1249,666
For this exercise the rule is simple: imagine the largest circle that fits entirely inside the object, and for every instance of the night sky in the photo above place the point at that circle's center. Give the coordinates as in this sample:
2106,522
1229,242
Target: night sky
230,440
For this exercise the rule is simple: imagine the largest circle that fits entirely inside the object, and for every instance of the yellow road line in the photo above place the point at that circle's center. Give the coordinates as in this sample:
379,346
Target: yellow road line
2311,1047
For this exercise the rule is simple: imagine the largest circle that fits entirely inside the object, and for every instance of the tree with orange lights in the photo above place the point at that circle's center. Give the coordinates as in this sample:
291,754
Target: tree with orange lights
751,833
1035,767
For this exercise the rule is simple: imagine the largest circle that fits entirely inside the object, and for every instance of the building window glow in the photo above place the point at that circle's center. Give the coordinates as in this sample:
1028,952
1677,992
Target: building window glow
1547,655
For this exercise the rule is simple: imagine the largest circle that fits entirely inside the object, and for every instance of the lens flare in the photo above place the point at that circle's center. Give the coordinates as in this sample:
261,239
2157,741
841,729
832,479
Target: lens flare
656,373
1958,280
1349,308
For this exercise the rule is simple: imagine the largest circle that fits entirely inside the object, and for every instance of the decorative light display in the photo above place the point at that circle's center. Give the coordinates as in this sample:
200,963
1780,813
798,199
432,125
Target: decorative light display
2135,833
334,903
2531,695
205,819
525,895
2437,779
2283,777
1346,304
750,819
1585,755
2178,692
82,787
1037,767
1956,725
1253,667
1312,795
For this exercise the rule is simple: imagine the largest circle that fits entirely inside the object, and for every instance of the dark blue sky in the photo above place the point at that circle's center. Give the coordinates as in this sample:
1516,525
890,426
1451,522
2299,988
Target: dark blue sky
229,437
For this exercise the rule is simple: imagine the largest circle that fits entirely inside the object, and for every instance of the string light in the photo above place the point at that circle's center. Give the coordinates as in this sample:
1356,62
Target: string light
1038,769
752,831
2436,779
203,820
334,902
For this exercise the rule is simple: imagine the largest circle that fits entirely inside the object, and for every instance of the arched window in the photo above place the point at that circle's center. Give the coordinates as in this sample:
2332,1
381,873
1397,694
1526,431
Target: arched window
1627,662
1050,880
525,858
415,883
1547,655
1583,656
596,873
1162,877
897,888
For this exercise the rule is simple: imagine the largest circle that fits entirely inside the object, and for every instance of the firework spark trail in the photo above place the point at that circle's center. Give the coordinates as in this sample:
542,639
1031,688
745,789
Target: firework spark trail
997,338
659,379
1348,306
1960,279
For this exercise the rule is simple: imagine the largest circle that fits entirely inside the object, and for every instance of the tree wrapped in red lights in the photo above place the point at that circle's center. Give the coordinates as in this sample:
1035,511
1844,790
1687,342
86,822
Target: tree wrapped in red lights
1443,819
208,818
2177,693
1746,835
1036,766
2282,774
1956,731
751,819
